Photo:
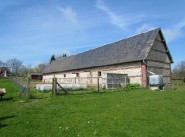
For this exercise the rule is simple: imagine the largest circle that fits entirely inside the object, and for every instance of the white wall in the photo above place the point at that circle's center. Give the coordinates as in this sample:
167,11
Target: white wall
89,76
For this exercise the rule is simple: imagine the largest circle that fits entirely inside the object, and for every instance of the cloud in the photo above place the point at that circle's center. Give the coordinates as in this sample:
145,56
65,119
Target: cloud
170,33
121,21
144,28
114,18
69,13
175,32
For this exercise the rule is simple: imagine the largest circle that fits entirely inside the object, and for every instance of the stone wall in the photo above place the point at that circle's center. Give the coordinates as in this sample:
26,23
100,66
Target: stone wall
89,76
144,75
158,61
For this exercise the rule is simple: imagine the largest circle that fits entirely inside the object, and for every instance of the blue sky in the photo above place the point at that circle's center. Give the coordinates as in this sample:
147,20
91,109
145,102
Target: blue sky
33,30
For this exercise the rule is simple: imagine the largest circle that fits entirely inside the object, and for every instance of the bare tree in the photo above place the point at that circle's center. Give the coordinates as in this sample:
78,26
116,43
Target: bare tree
14,65
179,71
25,71
40,67
2,63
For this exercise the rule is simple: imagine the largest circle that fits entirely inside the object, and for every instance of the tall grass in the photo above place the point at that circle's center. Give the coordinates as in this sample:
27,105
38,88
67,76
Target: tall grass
116,113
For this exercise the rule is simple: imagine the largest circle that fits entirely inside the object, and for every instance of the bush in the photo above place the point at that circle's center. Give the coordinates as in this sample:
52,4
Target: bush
133,86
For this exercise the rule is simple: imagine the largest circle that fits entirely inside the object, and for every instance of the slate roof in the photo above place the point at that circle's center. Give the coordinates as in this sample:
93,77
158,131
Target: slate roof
135,48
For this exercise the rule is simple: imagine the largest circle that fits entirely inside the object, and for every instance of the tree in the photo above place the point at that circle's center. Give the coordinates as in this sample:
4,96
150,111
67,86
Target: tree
52,58
2,63
14,65
179,71
64,55
25,71
40,68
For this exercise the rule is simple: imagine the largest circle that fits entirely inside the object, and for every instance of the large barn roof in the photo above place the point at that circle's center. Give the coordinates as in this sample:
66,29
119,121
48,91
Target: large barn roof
135,48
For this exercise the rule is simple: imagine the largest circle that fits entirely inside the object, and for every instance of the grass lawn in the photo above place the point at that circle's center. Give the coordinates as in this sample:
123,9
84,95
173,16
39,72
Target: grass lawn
113,113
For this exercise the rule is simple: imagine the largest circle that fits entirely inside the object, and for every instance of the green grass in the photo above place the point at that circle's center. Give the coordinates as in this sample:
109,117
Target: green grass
113,113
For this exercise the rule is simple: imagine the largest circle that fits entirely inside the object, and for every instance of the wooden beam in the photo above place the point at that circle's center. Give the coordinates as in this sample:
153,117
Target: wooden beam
158,61
158,67
164,52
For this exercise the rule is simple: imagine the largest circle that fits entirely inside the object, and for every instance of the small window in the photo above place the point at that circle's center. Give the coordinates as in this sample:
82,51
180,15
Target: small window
99,73
64,75
77,75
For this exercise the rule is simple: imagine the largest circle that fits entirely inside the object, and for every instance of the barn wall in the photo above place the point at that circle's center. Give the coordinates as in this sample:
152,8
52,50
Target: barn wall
158,61
89,76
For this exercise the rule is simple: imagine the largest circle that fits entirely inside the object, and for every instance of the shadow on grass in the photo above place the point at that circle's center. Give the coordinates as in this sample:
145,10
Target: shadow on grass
4,118
77,93
6,99
3,125
34,97
87,91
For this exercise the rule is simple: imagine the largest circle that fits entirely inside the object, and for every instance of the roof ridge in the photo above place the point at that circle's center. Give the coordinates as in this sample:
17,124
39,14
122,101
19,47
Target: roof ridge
133,48
135,35
158,30
110,43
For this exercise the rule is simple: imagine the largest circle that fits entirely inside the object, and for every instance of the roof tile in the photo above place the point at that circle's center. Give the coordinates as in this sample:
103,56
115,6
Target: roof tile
134,48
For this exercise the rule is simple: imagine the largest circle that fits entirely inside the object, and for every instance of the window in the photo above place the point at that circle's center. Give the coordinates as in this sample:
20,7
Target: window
77,75
99,73
64,75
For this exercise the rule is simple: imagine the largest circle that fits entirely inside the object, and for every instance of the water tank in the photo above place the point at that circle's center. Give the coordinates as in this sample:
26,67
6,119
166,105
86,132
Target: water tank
155,80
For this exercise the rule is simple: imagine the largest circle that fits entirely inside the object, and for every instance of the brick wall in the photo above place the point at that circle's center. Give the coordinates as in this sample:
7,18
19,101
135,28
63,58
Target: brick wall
144,75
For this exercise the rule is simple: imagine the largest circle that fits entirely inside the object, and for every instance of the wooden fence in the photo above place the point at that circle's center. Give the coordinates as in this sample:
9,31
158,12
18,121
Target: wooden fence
54,87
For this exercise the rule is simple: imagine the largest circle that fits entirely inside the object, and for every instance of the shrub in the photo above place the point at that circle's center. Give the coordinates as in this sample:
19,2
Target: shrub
133,86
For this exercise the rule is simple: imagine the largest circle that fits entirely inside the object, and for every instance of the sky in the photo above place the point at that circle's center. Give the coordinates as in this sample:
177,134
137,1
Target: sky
33,30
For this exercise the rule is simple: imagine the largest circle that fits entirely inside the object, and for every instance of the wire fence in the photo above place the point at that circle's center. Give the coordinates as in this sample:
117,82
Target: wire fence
108,83
23,84
65,84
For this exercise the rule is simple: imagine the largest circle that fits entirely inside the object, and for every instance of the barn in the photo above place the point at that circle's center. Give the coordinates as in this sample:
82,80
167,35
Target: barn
134,57
36,76
3,71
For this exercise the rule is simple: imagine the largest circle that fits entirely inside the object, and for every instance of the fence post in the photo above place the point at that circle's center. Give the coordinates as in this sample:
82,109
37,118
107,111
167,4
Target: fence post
16,81
55,93
98,84
21,84
125,83
28,88
54,86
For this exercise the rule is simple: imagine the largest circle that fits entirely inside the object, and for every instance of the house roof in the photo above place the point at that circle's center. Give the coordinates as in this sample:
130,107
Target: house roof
135,48
3,68
37,73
